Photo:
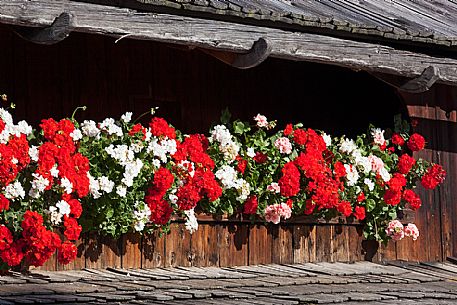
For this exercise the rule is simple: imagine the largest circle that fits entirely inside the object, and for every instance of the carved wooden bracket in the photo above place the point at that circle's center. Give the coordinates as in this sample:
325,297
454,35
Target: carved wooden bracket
57,31
419,84
259,51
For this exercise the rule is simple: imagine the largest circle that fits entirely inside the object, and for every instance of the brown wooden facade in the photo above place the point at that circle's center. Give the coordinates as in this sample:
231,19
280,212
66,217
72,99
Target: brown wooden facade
191,88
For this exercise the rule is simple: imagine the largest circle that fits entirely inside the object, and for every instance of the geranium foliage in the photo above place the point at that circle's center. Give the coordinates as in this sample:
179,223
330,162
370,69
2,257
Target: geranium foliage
118,176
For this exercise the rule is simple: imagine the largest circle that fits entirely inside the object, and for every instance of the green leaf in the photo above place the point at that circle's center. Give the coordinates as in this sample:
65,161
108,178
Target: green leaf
370,205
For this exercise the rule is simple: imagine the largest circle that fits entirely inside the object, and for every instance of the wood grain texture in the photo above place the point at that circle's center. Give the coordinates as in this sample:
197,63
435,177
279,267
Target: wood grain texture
233,245
205,246
282,244
218,35
178,247
131,249
153,251
260,244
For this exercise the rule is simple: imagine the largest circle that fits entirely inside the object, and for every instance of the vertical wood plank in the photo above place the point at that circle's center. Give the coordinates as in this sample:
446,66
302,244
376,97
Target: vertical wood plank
131,250
233,245
355,237
304,240
260,244
282,239
205,250
102,252
153,251
340,243
324,243
178,247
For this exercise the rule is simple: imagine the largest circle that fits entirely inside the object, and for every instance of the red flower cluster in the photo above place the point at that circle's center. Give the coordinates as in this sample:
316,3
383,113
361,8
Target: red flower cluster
359,213
14,157
160,128
393,194
260,157
416,142
344,207
4,203
434,176
241,164
138,128
412,198
250,205
36,244
289,183
60,150
405,163
203,183
397,139
67,253
322,185
160,209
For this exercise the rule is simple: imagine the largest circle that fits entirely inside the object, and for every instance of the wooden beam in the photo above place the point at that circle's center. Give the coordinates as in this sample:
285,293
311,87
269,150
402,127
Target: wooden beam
56,32
226,36
259,51
422,83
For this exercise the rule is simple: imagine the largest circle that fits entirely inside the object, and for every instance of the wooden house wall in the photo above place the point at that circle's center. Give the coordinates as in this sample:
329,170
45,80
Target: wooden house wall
191,89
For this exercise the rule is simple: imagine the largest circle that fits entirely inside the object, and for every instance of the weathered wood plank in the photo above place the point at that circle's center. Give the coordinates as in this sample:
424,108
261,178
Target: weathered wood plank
131,246
324,241
233,245
282,251
340,243
355,243
178,247
212,34
205,242
153,251
260,244
102,252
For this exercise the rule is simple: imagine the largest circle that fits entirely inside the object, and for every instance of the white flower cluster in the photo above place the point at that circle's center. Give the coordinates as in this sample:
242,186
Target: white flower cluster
66,184
162,148
227,146
109,125
141,216
97,186
367,165
14,190
58,211
39,184
191,222
90,129
228,177
11,129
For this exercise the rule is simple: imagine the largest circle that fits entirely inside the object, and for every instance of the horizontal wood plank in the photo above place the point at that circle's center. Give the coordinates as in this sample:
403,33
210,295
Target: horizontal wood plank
218,35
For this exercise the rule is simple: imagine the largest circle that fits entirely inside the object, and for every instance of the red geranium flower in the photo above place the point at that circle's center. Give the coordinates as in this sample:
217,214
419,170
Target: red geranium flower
359,213
250,205
416,142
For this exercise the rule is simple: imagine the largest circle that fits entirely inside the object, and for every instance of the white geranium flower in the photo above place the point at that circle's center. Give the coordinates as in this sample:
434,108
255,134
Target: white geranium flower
33,153
369,183
76,135
67,185
121,191
64,207
55,216
327,139
352,175
227,175
347,146
250,152
105,184
14,190
89,128
191,222
221,134
126,117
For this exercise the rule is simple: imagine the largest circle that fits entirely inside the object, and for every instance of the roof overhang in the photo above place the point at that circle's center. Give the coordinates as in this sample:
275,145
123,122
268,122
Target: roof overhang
223,36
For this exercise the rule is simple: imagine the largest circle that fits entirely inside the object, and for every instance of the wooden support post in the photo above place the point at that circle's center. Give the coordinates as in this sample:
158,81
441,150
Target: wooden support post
56,32
259,51
420,84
